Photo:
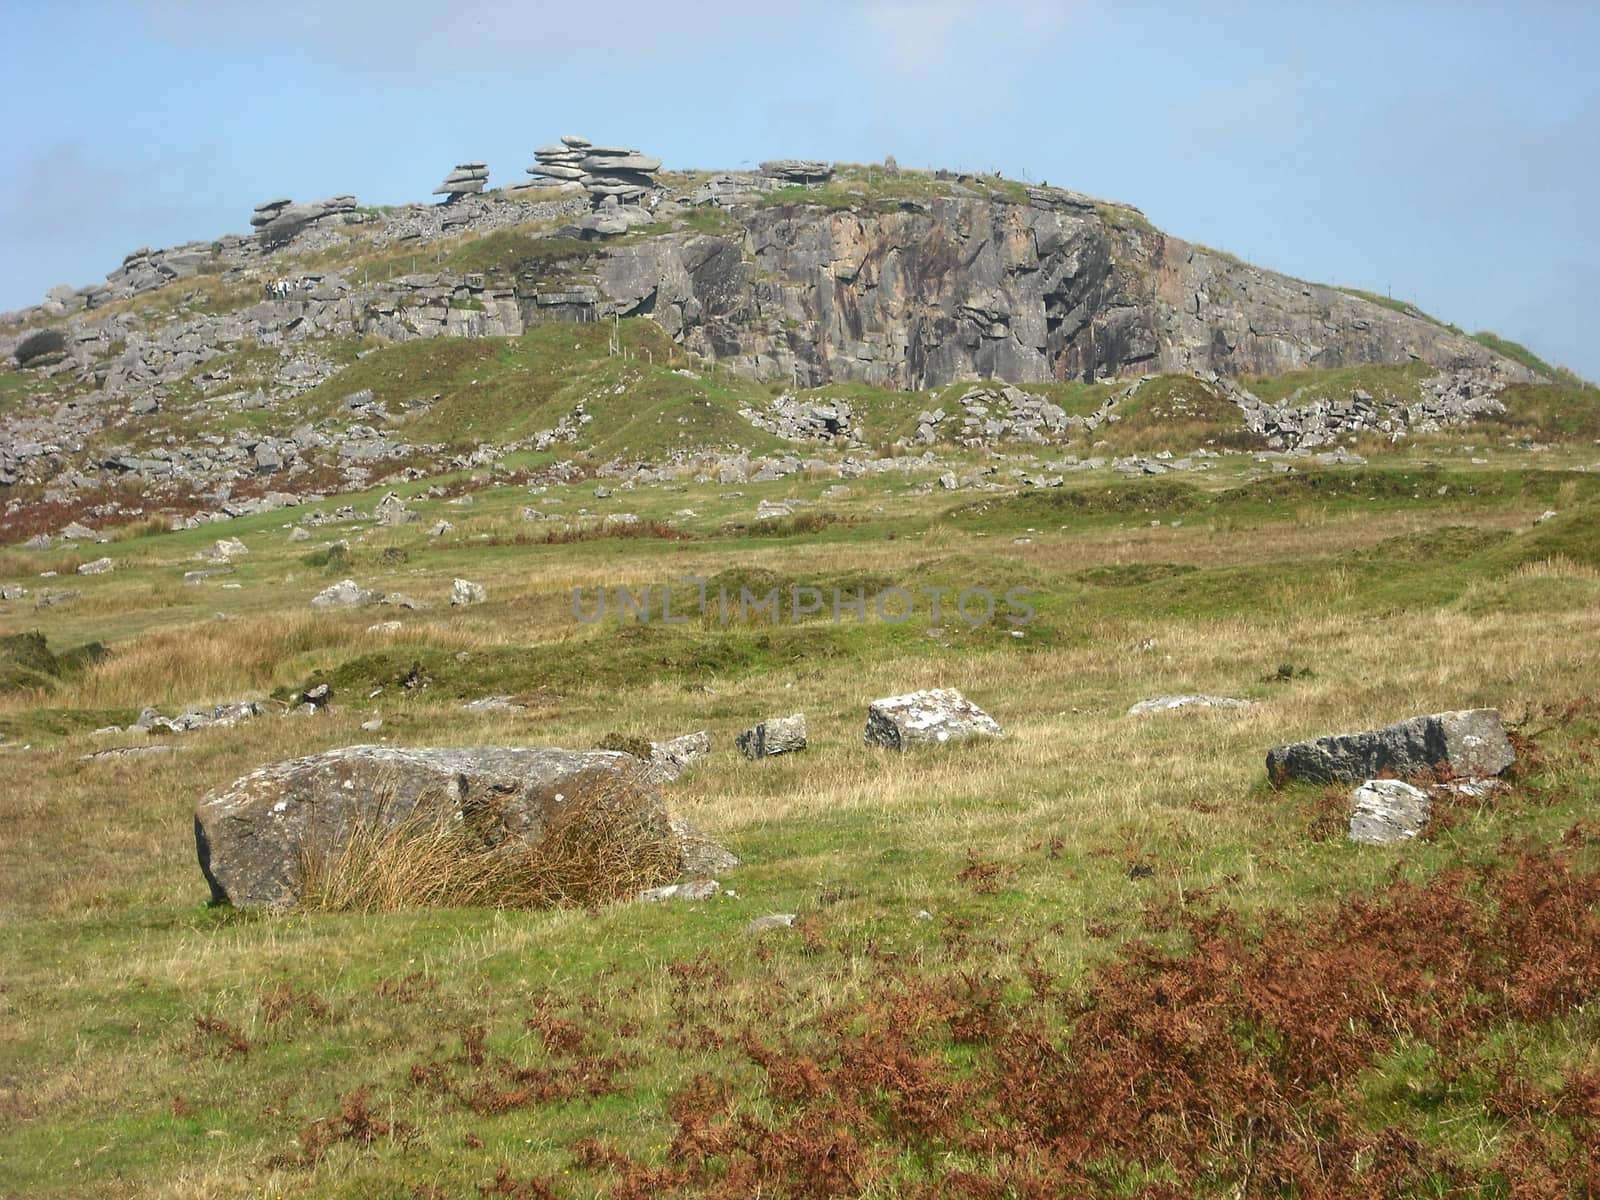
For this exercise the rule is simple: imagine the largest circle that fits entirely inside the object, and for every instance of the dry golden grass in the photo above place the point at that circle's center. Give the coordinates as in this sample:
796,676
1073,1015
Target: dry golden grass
598,847
1557,566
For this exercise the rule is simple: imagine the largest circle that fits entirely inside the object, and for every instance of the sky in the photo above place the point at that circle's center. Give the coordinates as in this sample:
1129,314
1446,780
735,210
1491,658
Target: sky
1446,154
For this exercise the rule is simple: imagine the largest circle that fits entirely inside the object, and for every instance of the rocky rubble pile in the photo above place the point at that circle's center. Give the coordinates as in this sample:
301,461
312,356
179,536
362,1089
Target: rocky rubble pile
1449,399
992,414
806,420
468,179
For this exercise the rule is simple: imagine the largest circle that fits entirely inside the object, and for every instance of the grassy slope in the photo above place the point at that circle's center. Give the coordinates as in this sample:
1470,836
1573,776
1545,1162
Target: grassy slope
1385,594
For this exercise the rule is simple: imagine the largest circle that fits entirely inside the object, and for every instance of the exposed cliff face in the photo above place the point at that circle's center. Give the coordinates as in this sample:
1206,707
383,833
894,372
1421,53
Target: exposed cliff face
960,287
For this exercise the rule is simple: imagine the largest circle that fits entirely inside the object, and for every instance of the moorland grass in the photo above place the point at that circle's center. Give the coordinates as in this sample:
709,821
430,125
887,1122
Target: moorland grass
156,1046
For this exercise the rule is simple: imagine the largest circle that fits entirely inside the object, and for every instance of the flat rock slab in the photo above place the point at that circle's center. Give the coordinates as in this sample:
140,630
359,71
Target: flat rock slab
255,837
776,735
694,889
927,718
1386,811
1469,742
129,752
1169,703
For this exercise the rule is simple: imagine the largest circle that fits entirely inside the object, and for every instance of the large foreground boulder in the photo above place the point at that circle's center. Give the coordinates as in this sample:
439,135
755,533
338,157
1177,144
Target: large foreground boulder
1471,742
927,718
257,838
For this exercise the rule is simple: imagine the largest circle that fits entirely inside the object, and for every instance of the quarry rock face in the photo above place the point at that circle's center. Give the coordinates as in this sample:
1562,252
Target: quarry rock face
254,837
1471,743
926,718
1061,287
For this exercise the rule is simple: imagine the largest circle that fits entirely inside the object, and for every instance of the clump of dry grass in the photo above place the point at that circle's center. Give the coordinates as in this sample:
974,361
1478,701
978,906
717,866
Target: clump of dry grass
1557,566
597,848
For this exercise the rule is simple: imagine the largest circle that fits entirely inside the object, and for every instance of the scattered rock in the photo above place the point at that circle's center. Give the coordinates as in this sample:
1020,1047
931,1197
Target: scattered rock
98,567
775,921
486,704
1386,811
345,594
698,854
464,591
254,837
694,889
1469,742
670,759
774,736
926,718
392,510
1168,703
130,752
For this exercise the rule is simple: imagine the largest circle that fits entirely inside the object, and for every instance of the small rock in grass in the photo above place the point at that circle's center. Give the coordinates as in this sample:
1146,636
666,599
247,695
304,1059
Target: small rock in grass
1387,811
1169,703
926,718
774,736
694,889
775,921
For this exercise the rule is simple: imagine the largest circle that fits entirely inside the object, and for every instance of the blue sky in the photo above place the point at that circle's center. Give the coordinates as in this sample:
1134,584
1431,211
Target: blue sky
1448,154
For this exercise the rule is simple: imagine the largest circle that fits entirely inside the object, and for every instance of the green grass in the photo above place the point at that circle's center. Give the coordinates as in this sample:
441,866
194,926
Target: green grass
1388,383
1399,599
1516,352
1566,409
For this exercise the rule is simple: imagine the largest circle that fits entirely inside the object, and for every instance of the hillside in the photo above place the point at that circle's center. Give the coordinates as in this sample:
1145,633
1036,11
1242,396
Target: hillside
217,374
699,494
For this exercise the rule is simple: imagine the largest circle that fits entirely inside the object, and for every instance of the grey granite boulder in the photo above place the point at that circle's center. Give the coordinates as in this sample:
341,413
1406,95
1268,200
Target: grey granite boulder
699,854
776,735
464,592
1386,811
347,593
927,718
255,838
1470,742
672,758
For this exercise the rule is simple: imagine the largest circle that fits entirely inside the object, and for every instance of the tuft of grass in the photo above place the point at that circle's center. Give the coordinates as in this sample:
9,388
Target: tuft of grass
596,847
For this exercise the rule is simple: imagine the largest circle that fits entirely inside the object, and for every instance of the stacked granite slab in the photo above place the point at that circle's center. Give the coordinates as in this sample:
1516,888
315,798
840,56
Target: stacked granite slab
468,179
279,219
604,172
797,170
